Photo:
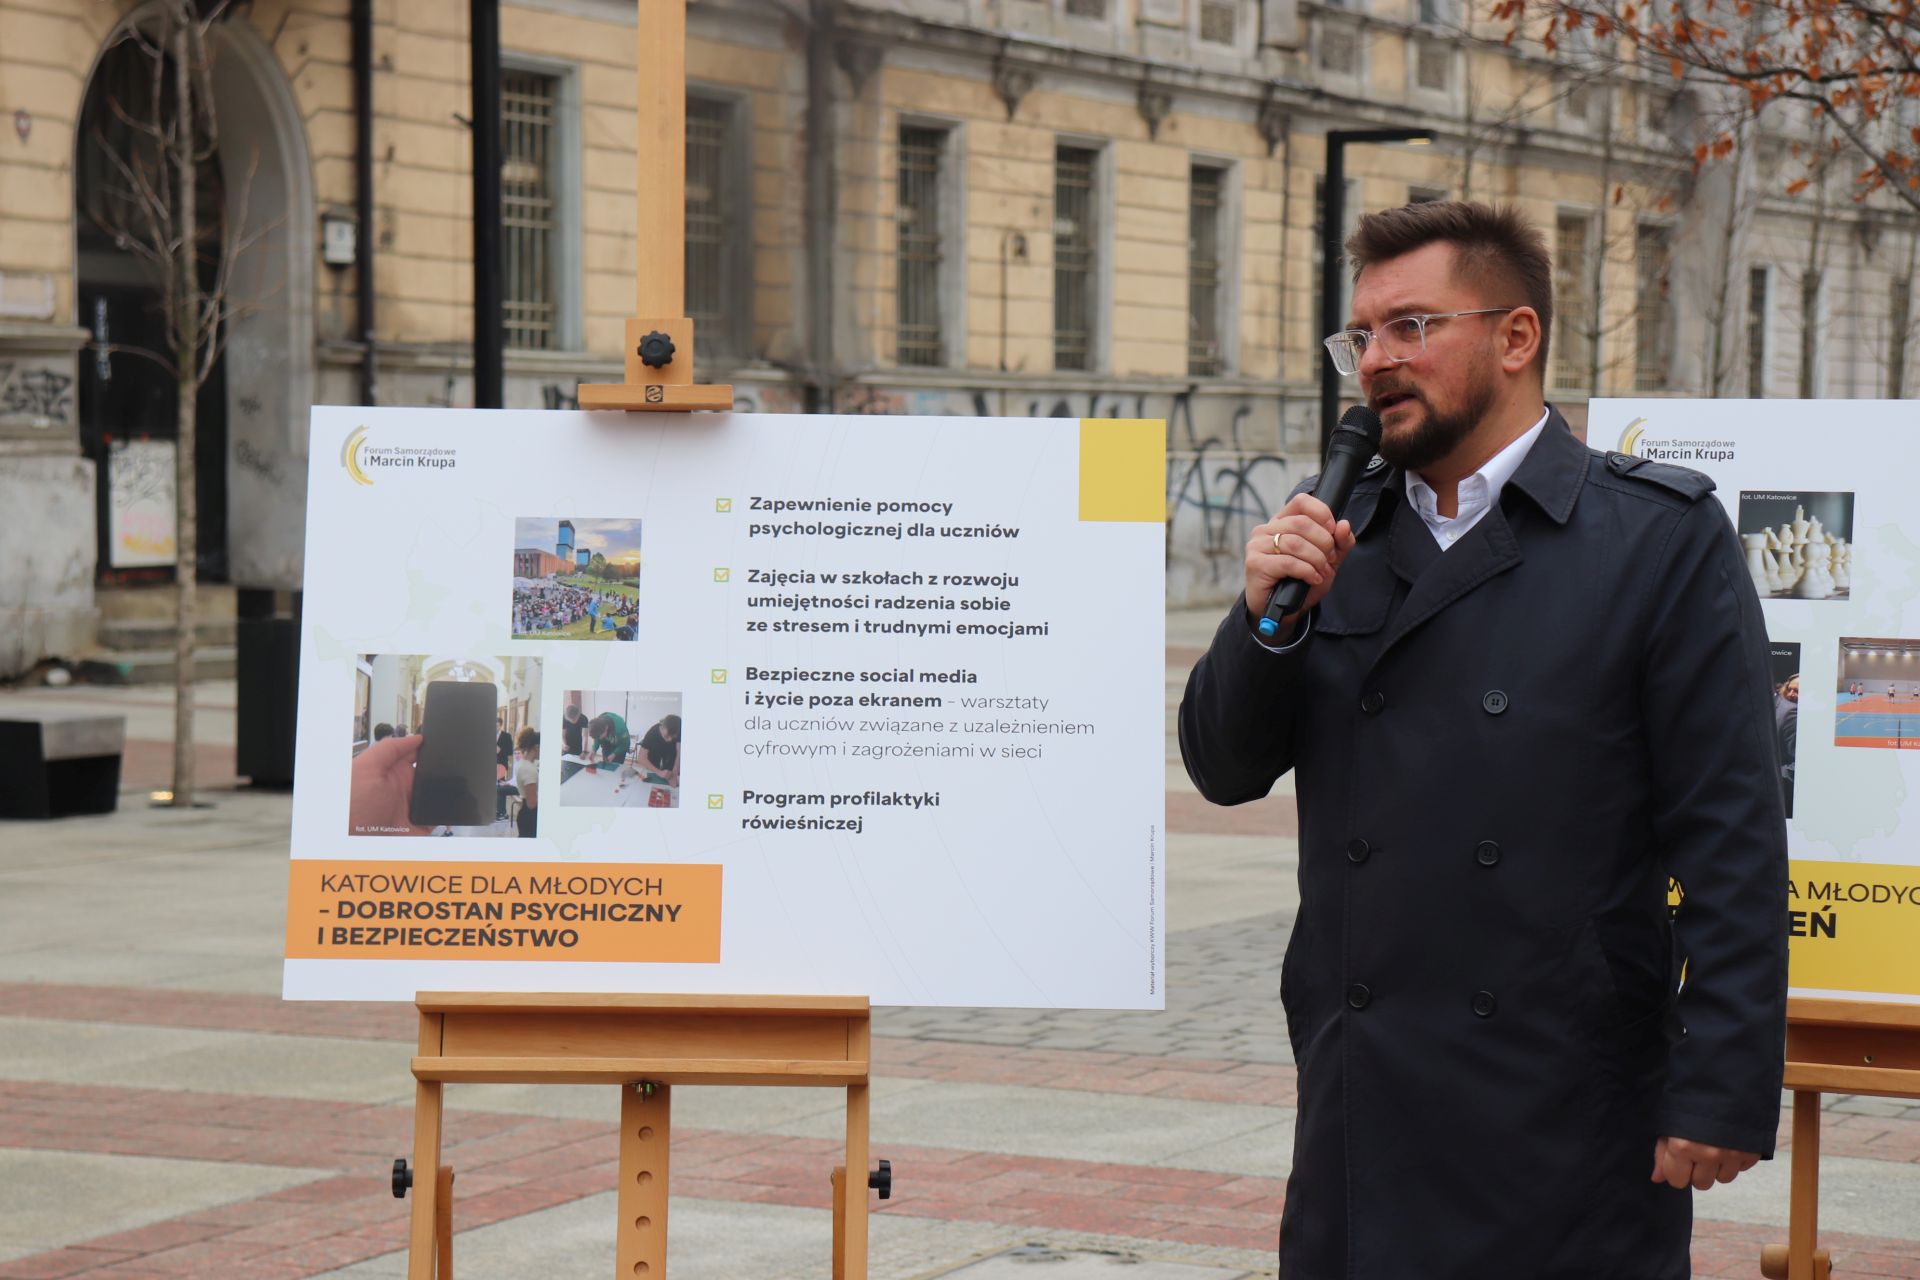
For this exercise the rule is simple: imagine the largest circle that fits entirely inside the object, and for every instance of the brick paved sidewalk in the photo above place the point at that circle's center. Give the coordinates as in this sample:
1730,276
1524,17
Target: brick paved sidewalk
304,1191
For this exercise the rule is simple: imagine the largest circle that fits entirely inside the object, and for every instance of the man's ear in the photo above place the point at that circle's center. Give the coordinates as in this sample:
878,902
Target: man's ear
1520,334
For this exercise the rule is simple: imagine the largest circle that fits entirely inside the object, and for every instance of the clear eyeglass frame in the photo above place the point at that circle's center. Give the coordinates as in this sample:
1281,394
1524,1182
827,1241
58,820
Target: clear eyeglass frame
1403,338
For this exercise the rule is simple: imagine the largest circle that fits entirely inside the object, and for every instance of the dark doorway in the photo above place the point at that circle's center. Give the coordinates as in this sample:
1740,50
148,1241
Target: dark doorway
128,397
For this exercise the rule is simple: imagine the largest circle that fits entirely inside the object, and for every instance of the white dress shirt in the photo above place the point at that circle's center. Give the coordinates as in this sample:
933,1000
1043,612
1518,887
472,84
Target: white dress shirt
1477,493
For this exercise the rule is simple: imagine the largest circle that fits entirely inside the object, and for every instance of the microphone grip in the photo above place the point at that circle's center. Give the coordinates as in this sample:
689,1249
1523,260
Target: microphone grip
1287,598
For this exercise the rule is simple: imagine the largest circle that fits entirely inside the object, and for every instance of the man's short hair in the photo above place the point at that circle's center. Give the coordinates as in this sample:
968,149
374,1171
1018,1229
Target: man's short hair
672,724
1492,243
382,731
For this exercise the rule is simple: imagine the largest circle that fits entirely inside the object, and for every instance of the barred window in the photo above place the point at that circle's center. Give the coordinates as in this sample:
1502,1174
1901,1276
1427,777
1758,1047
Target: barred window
1074,249
1339,49
529,232
1653,307
920,336
1217,20
1433,67
710,268
1096,9
1756,333
1204,271
1575,307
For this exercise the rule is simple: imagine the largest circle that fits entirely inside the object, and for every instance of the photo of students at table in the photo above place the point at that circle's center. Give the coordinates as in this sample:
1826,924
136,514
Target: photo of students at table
607,764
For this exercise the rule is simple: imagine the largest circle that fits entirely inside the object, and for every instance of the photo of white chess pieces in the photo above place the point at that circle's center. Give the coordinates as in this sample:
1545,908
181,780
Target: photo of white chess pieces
1800,560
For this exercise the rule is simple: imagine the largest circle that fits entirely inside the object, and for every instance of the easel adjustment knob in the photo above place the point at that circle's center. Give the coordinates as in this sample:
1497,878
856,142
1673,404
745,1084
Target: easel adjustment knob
402,1179
656,350
881,1180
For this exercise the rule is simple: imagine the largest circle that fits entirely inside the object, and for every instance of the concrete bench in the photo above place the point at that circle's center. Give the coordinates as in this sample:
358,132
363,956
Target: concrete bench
54,763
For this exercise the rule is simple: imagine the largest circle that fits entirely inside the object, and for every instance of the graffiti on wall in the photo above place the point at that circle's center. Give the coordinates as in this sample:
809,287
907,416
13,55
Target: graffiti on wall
41,393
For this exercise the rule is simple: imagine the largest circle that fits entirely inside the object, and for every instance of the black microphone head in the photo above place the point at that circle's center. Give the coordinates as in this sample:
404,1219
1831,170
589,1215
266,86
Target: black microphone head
1362,421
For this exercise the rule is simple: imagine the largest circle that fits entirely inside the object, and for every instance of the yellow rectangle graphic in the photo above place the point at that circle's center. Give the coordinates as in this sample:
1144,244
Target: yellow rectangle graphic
1123,470
1851,926
520,911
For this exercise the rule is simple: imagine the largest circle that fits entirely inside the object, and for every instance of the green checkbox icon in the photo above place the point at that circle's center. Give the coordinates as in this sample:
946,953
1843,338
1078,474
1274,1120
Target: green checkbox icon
719,675
722,575
723,504
716,802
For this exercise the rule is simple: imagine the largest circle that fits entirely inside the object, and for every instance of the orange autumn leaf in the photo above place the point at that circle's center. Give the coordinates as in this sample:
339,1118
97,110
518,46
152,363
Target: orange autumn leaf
1798,185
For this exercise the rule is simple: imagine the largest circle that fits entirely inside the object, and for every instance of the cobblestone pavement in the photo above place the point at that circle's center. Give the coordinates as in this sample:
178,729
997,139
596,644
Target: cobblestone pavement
1223,1001
164,1114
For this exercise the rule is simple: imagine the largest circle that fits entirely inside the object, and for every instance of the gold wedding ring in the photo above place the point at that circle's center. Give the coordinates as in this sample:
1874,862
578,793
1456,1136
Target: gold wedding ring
1276,542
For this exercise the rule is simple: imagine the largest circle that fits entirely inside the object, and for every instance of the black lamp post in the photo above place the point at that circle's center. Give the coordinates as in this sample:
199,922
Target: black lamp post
1332,220
488,289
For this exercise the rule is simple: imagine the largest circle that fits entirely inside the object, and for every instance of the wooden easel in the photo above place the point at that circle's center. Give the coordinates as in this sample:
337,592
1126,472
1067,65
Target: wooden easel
1835,1046
659,349
646,1045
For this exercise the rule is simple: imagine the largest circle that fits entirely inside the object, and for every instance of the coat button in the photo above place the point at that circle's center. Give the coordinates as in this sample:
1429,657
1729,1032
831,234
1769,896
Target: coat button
1484,1003
1357,850
1372,703
1487,853
1358,996
1495,702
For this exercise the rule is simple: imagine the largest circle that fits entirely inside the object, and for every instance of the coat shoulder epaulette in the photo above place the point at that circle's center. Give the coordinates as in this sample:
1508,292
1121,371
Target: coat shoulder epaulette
1689,484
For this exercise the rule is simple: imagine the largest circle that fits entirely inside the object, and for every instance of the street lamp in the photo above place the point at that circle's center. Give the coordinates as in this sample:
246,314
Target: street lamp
1332,220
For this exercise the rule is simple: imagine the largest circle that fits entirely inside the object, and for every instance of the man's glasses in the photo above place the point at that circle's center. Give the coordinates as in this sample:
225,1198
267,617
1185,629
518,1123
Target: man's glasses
1401,339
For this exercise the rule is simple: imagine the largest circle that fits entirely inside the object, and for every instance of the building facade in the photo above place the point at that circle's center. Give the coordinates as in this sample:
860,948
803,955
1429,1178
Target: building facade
1022,207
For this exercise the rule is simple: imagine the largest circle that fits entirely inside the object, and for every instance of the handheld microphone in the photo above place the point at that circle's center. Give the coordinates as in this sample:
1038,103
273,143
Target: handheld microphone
1348,453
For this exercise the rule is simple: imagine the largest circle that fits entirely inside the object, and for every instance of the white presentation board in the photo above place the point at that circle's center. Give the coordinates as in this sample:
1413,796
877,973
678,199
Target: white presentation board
1822,498
825,705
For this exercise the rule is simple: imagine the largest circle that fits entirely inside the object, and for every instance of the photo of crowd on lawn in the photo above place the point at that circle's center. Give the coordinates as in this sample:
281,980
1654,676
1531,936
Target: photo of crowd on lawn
576,579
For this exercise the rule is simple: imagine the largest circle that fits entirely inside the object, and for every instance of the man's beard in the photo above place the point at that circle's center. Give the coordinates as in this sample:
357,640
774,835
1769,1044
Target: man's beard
1434,437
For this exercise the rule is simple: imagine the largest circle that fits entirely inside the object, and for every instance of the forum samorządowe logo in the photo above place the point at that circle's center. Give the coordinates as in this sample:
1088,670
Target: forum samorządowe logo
359,458
1636,443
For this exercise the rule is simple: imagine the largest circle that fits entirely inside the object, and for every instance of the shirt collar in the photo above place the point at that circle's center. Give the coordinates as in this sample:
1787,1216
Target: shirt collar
1482,488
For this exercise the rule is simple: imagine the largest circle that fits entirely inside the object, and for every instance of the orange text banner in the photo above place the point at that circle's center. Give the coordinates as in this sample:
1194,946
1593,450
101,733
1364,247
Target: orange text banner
617,912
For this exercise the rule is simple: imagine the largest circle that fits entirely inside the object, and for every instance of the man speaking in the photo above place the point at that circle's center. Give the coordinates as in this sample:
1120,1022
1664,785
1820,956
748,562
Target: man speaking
1529,684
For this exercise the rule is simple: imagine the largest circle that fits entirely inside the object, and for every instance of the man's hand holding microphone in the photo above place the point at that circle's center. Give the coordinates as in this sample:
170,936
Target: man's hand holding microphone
1292,559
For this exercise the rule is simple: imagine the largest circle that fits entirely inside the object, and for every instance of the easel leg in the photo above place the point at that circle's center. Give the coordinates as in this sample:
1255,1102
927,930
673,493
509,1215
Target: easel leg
421,1246
443,1221
851,1201
646,1129
1803,1215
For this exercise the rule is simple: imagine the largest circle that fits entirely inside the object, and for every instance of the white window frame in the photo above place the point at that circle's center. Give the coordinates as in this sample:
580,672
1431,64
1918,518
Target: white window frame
1100,321
1347,20
953,232
737,214
1445,98
569,266
1246,20
1227,301
1596,232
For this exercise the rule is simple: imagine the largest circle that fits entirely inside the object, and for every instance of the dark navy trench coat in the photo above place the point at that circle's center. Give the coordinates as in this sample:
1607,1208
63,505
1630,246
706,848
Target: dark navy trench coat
1502,753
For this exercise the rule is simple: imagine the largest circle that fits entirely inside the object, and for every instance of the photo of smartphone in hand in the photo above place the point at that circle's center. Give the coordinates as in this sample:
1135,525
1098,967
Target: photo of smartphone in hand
454,777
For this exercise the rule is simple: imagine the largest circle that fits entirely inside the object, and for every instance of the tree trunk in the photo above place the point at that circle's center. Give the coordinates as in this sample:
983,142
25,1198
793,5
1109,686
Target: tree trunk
1718,317
185,326
1810,278
1596,264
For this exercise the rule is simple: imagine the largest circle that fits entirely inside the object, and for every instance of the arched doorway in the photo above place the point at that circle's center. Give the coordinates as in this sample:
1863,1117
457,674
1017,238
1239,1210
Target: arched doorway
128,396
252,420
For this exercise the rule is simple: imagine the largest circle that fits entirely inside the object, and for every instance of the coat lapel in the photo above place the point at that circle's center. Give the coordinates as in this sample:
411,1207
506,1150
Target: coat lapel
1551,475
1410,544
1488,550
